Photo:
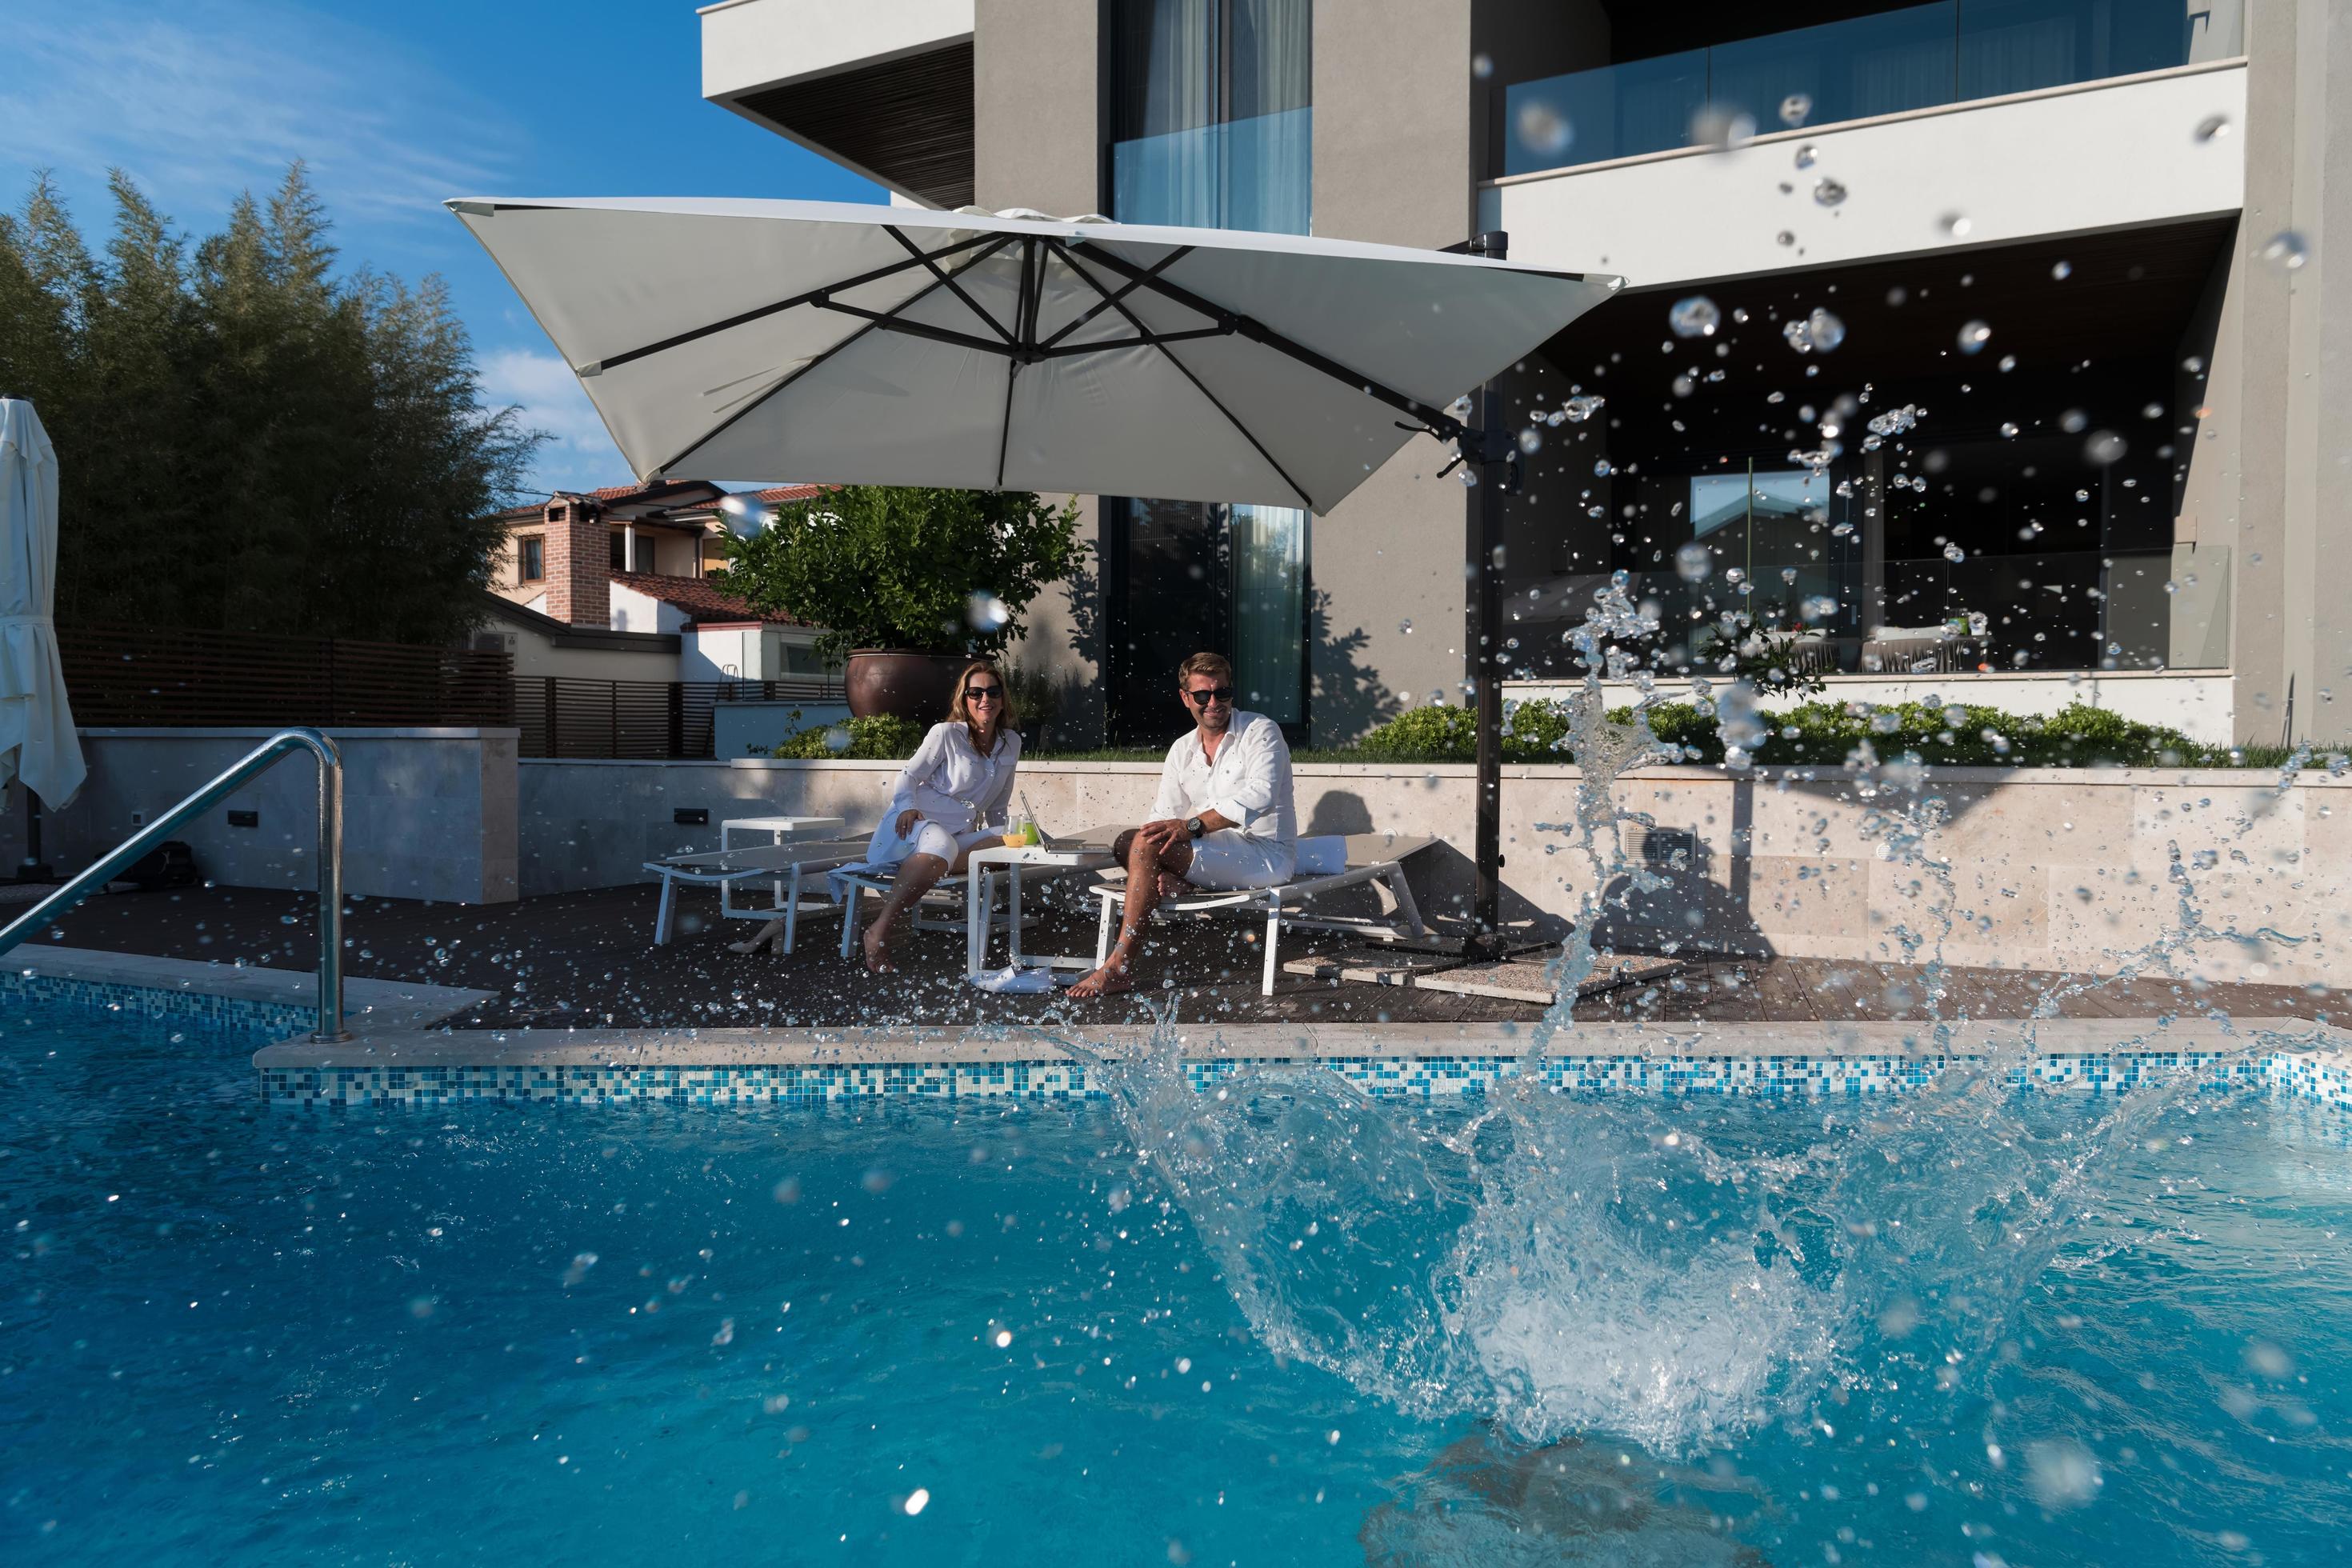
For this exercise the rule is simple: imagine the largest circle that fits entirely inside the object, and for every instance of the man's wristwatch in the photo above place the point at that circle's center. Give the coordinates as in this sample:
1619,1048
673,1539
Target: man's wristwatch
1193,826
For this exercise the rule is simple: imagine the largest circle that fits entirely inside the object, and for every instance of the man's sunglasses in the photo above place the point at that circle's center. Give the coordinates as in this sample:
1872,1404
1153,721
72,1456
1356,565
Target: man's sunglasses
1209,694
984,694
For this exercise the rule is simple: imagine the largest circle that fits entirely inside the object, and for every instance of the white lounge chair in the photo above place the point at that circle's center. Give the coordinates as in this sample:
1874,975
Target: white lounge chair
784,867
1325,865
848,881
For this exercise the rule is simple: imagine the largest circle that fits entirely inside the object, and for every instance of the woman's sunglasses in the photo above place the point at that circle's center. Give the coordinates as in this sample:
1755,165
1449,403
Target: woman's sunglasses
984,694
1209,694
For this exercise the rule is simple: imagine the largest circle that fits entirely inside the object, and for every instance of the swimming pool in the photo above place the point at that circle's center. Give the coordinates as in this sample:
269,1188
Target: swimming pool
1960,1325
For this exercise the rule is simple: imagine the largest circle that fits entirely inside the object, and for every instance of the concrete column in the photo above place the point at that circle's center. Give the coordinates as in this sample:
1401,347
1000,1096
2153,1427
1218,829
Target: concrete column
1392,162
2281,388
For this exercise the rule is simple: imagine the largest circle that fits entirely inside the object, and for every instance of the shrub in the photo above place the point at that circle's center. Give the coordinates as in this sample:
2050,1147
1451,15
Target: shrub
885,737
1820,733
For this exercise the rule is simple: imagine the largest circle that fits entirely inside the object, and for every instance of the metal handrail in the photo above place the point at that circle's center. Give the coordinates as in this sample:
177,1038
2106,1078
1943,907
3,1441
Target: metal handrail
331,863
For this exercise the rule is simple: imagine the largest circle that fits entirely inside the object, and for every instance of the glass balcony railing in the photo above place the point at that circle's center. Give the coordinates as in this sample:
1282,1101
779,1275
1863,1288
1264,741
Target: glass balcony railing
1886,63
1255,174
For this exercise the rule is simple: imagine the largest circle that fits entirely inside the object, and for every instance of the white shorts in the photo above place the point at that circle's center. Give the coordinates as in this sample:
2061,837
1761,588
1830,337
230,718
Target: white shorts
886,849
1229,859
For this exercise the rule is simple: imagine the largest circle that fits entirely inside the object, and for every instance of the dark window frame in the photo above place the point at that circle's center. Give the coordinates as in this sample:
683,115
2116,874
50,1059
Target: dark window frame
531,558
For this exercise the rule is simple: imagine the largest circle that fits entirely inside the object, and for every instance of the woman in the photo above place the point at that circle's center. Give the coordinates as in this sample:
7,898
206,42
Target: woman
950,798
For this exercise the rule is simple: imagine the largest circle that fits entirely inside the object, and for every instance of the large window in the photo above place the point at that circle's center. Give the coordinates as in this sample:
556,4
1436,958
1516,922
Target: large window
1213,122
1212,128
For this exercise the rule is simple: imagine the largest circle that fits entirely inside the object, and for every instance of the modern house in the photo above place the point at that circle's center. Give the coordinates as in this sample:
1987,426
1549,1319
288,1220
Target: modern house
628,584
1981,346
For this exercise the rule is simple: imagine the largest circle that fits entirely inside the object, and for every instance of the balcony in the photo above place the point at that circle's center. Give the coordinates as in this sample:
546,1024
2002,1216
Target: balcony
1255,174
885,90
1892,62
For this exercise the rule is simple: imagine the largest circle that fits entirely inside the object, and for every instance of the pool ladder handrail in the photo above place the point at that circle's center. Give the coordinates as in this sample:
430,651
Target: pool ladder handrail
330,1030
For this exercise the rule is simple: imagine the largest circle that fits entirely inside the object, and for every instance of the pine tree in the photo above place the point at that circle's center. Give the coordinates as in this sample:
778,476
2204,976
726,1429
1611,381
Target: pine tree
248,441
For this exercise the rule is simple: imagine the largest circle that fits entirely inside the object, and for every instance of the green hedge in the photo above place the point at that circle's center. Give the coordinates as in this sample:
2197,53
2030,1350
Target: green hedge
1821,732
882,738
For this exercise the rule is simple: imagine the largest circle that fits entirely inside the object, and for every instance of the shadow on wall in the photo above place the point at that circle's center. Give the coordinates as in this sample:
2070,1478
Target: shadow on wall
1060,692
1688,911
1443,879
1348,698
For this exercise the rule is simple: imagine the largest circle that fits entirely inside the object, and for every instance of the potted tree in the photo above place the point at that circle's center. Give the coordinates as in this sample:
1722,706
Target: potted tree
909,583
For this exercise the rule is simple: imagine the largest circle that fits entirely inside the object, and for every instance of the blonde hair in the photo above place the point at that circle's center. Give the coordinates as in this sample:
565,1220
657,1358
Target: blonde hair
959,711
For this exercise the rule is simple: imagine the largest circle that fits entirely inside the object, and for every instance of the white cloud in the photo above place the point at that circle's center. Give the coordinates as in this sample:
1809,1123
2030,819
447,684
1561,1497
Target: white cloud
200,101
581,455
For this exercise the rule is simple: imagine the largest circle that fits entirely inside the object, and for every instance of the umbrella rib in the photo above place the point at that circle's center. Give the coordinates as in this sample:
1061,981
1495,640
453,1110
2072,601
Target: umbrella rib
1259,333
890,321
953,287
1147,335
747,317
725,425
1166,261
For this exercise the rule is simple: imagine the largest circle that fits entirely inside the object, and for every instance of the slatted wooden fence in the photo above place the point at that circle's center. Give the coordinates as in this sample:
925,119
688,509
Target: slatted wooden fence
649,721
138,676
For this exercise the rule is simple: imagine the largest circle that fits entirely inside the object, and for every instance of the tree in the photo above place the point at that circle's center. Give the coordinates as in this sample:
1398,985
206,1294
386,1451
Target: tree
246,440
927,571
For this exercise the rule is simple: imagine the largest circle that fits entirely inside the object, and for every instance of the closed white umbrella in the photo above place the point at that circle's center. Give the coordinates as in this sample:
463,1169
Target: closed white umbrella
817,340
37,741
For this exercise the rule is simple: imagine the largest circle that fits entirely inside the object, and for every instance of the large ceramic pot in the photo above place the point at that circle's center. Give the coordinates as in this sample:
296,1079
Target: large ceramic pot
916,686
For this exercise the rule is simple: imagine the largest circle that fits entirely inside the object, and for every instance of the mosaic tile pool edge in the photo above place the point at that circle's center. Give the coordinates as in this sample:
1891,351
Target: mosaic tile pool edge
1852,1076
272,1020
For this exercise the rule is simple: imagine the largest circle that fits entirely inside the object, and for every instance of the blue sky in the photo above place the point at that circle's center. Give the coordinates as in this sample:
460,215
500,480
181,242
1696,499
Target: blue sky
394,105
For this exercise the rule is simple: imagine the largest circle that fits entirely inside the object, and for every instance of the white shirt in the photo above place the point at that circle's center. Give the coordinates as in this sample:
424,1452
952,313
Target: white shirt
1249,782
952,785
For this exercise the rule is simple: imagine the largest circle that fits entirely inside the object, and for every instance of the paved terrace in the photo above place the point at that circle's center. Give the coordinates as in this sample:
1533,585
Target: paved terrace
587,959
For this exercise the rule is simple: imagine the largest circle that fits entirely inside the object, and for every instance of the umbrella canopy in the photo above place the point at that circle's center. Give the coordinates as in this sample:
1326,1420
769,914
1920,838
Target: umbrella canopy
38,743
890,345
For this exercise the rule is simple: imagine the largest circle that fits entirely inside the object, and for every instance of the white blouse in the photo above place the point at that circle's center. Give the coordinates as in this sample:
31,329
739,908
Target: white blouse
952,785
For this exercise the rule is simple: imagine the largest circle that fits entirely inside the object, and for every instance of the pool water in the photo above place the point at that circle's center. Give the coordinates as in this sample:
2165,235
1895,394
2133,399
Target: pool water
1667,1331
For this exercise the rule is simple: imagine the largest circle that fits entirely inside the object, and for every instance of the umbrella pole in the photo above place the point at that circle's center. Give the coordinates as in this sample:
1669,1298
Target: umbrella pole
1485,639
31,869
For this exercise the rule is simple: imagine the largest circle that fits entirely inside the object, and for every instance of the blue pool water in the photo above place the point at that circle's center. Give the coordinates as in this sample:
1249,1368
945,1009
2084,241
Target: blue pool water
1944,1329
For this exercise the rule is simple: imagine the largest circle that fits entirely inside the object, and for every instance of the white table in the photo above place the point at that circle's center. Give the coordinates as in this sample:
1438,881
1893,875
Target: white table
1086,857
777,828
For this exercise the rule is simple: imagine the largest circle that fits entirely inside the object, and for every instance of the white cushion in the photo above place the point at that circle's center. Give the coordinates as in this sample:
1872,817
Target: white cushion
1322,856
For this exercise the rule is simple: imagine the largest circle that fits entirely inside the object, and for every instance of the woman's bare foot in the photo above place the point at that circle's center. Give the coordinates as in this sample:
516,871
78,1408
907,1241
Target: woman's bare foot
1109,981
767,934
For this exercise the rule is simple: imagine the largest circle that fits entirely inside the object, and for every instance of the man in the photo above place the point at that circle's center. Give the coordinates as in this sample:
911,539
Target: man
1224,819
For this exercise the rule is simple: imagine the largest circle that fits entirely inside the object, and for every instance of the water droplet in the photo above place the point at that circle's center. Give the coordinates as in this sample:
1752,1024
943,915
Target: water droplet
1693,563
2062,271
2082,495
1695,316
2153,411
1973,336
1721,125
2212,126
918,1500
1828,192
1806,154
1581,408
1955,554
1545,130
1817,332
2073,421
986,612
1482,66
1468,476
2009,362
1405,626
1955,225
1785,238
2009,428
837,738
1795,109
1685,385
2104,446
2286,251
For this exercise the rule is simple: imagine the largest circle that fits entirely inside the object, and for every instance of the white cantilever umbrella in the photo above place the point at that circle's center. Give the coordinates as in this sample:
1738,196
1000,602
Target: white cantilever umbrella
816,341
37,741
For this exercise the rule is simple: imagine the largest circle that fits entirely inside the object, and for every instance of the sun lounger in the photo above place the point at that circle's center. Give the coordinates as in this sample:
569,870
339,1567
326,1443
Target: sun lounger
785,866
1325,865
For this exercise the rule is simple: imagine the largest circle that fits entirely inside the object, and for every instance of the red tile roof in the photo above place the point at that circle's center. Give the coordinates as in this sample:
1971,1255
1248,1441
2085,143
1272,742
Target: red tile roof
702,598
779,495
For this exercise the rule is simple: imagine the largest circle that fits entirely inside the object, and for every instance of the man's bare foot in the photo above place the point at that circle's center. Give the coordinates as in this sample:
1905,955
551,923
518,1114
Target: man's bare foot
1171,885
1109,981
876,943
